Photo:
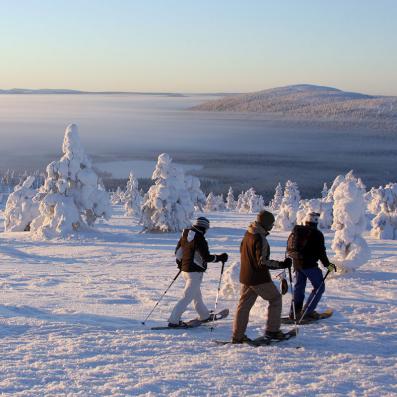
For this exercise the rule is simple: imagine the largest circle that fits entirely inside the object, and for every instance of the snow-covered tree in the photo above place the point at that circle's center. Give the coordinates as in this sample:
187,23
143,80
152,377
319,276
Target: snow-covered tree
230,201
20,208
286,218
231,281
249,202
132,197
197,196
275,203
324,192
330,194
349,224
315,205
211,203
382,203
70,198
117,197
168,207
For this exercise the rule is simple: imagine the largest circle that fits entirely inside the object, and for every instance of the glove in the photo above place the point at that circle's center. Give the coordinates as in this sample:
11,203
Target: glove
222,257
179,264
331,267
286,264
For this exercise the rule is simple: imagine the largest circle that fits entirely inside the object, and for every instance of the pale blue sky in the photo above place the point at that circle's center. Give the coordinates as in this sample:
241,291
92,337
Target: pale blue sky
198,45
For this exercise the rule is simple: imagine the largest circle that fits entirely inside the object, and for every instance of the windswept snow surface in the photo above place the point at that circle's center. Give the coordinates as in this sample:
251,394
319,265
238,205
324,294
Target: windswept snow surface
71,312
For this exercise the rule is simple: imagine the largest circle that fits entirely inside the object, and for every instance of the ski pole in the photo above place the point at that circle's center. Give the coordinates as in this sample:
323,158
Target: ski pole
293,300
314,296
217,296
161,297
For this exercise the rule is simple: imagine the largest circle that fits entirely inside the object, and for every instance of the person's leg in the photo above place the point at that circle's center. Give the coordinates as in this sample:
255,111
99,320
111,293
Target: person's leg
299,292
315,276
270,293
198,302
247,299
188,295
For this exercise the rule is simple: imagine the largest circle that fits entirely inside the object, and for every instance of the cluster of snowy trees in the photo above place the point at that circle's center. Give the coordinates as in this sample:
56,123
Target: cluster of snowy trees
72,197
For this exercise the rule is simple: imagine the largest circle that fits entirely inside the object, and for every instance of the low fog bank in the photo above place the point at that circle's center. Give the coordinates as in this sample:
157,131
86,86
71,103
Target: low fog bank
230,149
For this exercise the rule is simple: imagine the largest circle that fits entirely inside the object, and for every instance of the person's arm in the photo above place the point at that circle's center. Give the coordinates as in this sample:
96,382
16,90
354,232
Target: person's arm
203,250
179,253
323,251
262,261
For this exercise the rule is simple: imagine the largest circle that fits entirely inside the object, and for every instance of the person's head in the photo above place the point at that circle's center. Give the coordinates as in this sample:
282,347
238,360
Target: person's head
202,223
265,219
312,219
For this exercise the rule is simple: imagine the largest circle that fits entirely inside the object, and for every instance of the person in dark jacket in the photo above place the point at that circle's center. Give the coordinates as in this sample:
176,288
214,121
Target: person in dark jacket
256,281
306,247
192,255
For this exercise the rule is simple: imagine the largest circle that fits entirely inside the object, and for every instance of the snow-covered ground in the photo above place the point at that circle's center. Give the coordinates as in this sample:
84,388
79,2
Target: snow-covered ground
71,312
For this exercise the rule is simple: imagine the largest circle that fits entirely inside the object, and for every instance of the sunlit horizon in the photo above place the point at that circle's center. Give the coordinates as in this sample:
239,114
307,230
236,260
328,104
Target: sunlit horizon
206,47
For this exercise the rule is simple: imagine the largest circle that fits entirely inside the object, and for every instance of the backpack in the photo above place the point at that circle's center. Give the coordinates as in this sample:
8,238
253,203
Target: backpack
297,240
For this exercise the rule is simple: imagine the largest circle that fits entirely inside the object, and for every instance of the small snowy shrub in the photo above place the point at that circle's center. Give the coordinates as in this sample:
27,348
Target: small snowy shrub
249,202
132,197
71,198
275,203
230,201
197,196
382,203
167,206
351,250
231,281
286,218
20,208
117,197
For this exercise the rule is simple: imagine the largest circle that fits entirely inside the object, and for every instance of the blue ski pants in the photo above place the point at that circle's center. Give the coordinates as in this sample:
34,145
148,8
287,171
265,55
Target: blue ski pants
315,276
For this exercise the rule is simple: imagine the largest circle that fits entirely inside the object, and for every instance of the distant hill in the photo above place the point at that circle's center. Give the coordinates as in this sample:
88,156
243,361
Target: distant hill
61,91
311,103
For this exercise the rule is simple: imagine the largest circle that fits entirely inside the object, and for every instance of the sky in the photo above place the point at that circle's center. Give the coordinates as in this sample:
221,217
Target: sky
198,46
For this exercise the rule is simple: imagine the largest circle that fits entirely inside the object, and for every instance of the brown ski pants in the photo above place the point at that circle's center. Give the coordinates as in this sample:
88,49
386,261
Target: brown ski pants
248,295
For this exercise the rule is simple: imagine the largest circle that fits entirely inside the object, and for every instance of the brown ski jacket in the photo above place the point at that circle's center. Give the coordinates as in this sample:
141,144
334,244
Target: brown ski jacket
255,254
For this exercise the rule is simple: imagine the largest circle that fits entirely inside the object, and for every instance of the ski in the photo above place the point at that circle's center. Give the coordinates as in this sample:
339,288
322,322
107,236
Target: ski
323,315
187,325
262,340
195,322
218,316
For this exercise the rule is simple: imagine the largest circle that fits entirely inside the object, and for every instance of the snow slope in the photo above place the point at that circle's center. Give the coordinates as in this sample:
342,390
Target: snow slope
313,103
70,316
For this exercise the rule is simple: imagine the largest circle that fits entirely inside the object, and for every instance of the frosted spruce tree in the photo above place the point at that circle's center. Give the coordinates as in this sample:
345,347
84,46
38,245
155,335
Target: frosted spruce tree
275,203
255,201
132,198
324,192
211,203
286,218
117,197
230,201
197,196
71,198
167,207
349,224
249,202
382,204
21,209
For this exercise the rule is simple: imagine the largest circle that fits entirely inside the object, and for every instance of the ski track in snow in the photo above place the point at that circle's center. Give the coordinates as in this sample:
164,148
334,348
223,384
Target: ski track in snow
71,312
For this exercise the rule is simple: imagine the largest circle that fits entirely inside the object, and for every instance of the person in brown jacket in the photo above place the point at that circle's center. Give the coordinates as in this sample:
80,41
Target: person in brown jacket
256,281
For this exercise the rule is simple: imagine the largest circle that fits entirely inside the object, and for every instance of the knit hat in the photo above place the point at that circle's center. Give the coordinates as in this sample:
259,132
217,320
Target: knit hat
202,222
265,219
312,217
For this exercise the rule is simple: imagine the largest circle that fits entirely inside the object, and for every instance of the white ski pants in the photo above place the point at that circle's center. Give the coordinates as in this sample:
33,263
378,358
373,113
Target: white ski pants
191,293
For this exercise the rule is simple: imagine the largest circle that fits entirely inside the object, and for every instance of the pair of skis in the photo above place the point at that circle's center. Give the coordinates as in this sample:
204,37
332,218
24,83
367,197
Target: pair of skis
196,322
